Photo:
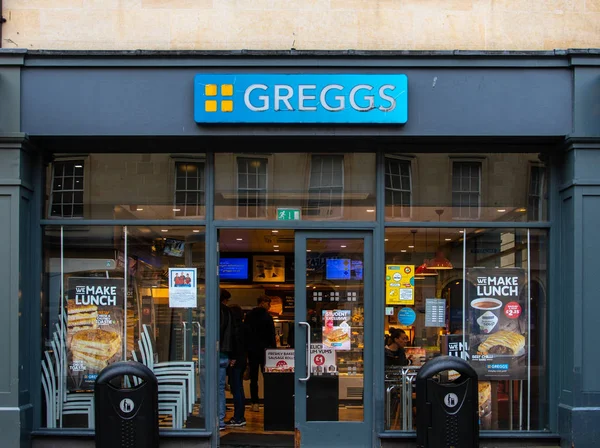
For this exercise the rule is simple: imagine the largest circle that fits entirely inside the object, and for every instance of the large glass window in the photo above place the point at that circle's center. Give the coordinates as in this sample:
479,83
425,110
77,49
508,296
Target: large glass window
480,294
487,187
301,185
123,293
127,186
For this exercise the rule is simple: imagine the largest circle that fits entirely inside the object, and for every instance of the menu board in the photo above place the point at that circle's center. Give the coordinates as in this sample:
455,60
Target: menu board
497,319
279,361
399,284
435,313
94,328
337,332
322,360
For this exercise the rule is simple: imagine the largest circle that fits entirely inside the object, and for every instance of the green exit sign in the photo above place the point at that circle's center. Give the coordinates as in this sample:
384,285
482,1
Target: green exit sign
288,214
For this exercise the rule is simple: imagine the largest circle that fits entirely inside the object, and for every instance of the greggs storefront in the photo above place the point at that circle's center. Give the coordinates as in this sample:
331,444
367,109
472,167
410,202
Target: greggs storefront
285,240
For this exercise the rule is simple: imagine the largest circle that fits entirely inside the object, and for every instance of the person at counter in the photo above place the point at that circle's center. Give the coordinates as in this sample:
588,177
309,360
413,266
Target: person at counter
394,348
261,332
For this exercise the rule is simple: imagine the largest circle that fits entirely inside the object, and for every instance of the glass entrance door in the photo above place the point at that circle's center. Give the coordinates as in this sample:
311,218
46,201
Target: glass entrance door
333,281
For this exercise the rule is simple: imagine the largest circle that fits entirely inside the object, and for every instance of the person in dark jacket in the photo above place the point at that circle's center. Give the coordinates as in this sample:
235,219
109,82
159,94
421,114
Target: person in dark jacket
261,329
226,347
394,349
237,366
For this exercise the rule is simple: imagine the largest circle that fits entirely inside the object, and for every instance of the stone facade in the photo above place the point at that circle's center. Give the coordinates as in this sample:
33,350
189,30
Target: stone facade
301,24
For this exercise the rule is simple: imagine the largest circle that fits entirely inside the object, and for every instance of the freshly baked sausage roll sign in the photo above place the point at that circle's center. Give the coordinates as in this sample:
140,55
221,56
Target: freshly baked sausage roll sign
94,328
497,322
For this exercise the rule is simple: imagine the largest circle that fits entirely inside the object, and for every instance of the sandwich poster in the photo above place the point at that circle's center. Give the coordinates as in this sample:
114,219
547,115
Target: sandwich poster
183,288
94,328
337,332
497,322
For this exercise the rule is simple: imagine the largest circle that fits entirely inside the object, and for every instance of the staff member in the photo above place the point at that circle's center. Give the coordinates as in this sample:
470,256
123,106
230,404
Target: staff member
394,348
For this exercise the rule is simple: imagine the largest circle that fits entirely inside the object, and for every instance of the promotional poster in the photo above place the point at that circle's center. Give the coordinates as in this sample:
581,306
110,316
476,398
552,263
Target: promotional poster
399,284
497,319
322,360
183,288
337,330
94,328
279,361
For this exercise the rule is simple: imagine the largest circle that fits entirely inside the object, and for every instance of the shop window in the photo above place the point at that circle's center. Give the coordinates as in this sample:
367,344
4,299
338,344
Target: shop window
466,190
151,310
326,186
252,187
189,189
398,188
535,196
66,195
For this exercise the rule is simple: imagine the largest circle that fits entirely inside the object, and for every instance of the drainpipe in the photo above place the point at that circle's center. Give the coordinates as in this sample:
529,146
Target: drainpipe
2,20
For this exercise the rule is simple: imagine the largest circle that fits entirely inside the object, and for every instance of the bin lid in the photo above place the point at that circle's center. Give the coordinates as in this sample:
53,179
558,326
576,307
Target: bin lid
443,363
125,368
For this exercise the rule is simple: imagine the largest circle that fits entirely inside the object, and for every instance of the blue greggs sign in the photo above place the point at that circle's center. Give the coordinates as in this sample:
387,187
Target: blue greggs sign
300,98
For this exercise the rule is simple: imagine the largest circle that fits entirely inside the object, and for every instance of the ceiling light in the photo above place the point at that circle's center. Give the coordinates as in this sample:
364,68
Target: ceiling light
276,250
239,239
403,250
422,271
78,166
411,247
196,231
370,210
308,250
387,239
275,231
342,245
501,210
521,210
275,245
164,230
448,239
176,209
461,231
139,209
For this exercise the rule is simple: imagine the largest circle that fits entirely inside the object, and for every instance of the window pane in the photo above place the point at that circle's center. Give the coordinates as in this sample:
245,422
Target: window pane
493,256
141,324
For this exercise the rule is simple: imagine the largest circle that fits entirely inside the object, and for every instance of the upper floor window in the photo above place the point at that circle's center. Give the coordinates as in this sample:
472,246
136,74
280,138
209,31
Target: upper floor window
535,195
398,188
326,186
466,190
66,195
252,187
189,189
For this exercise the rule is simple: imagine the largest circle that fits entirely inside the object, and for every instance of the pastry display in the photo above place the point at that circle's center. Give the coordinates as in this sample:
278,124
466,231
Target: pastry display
81,317
502,343
94,348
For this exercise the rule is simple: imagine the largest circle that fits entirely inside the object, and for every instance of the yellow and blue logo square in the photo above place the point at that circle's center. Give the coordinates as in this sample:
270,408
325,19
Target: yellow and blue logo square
218,97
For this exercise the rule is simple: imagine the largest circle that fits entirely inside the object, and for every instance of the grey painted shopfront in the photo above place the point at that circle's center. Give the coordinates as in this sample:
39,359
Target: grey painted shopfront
115,103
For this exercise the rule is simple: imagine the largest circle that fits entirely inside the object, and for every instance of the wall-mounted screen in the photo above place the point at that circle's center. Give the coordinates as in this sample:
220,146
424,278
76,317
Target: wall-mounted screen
343,269
174,248
233,268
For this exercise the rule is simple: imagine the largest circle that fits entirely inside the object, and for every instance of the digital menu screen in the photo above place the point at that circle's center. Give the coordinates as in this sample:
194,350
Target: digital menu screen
233,268
343,269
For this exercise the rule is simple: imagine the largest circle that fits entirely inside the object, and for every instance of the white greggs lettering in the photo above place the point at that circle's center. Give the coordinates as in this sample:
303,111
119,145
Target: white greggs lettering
96,295
307,97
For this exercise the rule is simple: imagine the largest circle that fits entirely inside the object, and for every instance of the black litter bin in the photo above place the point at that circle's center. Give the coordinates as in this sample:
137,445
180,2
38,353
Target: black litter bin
126,417
447,412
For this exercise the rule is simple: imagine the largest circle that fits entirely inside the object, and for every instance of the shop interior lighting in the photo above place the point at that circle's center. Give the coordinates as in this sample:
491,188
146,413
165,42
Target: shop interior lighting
276,245
448,239
164,230
196,231
439,261
274,231
501,210
239,239
139,209
370,210
423,270
342,245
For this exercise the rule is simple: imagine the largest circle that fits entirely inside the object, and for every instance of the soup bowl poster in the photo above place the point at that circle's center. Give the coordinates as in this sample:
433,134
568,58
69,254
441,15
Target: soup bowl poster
497,322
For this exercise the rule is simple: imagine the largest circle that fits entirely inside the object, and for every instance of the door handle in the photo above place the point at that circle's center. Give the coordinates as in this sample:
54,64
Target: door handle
307,351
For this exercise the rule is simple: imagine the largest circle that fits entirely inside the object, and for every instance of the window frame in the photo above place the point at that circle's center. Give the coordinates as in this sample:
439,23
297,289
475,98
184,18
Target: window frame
175,161
466,160
309,188
268,160
399,159
542,192
85,189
